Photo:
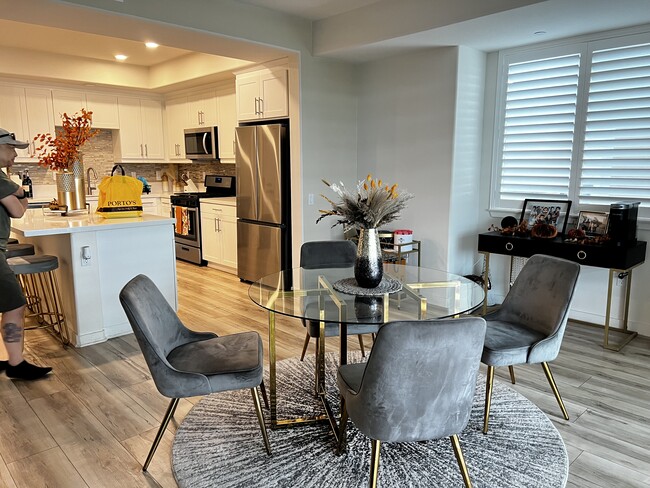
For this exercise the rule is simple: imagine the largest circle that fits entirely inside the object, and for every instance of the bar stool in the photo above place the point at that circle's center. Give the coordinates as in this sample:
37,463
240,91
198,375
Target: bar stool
37,277
18,249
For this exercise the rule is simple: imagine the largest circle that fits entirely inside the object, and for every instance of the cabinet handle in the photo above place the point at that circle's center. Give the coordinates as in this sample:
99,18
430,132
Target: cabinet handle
219,226
215,225
257,106
146,151
261,106
141,151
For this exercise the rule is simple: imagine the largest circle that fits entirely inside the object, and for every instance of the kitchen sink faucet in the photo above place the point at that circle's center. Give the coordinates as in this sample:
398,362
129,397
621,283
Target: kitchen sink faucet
89,190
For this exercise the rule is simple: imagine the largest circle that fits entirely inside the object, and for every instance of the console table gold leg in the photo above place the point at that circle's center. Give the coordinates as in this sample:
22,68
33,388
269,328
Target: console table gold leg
629,335
485,281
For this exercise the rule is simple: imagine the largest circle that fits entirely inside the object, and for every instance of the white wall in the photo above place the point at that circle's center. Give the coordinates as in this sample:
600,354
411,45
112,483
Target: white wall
466,166
416,122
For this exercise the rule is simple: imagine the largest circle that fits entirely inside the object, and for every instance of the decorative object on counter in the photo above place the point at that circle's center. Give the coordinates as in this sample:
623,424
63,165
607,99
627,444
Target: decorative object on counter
61,153
509,221
520,230
146,187
593,223
70,186
351,286
539,211
542,230
372,206
119,195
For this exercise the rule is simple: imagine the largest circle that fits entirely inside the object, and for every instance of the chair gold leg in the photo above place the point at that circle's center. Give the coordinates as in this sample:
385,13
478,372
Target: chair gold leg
161,431
488,397
343,423
363,349
264,395
512,374
556,392
374,462
260,419
461,460
305,346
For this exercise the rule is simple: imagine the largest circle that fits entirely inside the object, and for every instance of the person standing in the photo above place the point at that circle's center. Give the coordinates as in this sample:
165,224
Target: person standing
13,204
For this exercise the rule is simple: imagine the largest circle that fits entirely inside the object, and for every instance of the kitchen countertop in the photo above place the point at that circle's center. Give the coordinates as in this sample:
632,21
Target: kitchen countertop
35,223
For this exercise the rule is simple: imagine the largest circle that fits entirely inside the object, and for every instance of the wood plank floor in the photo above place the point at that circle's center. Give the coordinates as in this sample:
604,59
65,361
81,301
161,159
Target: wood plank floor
91,423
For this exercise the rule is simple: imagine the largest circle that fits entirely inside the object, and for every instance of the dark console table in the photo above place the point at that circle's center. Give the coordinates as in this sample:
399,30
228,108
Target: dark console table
618,259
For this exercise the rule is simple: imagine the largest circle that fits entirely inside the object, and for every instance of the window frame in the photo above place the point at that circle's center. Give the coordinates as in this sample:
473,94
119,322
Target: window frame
584,46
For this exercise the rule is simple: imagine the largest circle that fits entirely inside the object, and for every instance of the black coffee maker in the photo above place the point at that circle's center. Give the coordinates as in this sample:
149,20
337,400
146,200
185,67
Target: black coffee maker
622,222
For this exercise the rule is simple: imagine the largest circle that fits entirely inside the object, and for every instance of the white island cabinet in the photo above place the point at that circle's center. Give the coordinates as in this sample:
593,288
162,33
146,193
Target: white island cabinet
119,250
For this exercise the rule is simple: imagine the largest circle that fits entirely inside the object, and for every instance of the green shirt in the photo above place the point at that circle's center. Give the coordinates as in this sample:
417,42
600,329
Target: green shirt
7,187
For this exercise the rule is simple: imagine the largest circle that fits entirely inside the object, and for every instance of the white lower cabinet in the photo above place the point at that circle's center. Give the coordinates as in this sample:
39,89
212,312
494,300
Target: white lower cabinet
219,235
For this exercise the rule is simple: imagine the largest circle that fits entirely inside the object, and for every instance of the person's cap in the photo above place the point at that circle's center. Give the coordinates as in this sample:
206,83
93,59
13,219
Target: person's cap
7,137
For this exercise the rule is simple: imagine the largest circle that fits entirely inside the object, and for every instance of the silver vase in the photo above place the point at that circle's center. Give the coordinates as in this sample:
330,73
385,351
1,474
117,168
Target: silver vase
368,267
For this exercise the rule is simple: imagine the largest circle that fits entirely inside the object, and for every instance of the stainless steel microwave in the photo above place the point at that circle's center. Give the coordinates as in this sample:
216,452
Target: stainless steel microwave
202,143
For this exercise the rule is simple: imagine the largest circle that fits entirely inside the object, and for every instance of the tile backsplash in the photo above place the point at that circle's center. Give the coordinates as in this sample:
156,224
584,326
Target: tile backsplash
98,154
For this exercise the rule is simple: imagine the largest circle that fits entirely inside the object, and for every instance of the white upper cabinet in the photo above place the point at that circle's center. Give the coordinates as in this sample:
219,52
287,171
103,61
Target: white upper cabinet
140,138
227,105
40,116
67,102
26,112
177,120
263,94
202,109
103,106
104,109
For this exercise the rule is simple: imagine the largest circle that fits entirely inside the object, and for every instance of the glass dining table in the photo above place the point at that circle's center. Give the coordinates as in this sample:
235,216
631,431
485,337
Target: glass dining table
315,295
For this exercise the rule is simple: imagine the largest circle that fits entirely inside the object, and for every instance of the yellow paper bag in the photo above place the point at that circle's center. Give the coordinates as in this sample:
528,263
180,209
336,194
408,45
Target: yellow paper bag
119,196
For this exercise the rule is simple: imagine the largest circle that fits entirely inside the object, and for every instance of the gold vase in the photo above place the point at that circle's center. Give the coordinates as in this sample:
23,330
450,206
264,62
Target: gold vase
70,187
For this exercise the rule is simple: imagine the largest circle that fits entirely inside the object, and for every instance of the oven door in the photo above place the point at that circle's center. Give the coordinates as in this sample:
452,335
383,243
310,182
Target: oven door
187,228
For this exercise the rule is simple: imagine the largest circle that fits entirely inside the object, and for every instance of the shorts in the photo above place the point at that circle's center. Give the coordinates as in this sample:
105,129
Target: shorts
11,294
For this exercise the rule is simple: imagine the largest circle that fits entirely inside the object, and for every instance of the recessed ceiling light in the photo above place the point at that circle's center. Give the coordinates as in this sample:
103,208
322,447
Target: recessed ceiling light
539,33
151,45
121,57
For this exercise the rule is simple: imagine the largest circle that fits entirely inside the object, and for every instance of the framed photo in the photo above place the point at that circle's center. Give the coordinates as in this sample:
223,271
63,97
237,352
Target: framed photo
554,212
593,223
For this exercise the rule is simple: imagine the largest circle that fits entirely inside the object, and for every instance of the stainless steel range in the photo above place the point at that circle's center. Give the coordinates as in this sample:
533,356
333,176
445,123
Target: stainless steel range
186,211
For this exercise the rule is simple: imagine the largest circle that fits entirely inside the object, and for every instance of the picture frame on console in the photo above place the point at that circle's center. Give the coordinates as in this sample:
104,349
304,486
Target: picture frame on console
593,223
554,212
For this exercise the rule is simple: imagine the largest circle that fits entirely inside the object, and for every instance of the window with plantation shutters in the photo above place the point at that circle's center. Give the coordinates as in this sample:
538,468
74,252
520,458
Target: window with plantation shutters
573,122
616,154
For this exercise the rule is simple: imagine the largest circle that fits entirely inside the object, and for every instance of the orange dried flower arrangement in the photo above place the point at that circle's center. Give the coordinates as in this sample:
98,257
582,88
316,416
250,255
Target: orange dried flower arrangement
59,152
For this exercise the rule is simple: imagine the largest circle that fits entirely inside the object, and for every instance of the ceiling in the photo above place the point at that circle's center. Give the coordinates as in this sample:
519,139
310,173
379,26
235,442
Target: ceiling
351,30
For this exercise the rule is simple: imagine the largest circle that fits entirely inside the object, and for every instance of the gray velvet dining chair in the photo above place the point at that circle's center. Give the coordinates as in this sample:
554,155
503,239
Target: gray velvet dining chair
330,254
185,363
529,326
418,385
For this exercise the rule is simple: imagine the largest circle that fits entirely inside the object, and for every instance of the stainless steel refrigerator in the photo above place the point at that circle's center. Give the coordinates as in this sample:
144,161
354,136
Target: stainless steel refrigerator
263,204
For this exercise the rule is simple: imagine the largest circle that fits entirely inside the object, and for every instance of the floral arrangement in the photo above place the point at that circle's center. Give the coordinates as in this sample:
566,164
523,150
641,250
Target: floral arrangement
372,206
58,153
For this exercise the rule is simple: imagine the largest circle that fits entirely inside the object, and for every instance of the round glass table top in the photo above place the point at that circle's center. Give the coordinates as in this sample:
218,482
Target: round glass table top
313,294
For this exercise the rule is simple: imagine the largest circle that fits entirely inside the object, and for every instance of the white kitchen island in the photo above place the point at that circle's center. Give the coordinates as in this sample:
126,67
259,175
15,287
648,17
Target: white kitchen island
119,249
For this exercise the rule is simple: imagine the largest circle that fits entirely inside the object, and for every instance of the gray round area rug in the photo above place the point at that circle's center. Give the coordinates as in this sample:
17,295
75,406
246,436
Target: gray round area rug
219,444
